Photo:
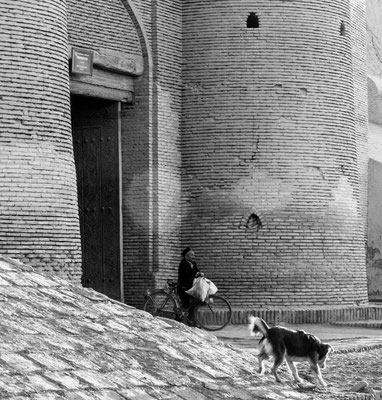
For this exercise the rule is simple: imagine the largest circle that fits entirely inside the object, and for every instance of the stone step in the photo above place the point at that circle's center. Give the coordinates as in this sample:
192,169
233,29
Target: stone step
374,324
310,315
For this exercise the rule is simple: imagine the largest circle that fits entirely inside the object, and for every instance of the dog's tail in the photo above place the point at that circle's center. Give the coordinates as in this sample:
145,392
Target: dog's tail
256,325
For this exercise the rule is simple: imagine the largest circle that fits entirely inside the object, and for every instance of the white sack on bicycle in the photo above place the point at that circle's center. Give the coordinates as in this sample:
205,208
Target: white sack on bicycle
202,288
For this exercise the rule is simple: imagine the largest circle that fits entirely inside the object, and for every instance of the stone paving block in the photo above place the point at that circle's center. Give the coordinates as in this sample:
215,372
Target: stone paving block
119,327
39,382
174,378
25,310
15,279
93,326
277,394
19,363
6,266
14,292
194,374
147,378
64,379
78,395
118,310
236,393
95,379
187,393
173,353
136,394
43,328
48,361
108,395
12,385
124,379
162,394
19,266
48,396
4,282
58,295
14,323
79,361
55,343
209,371
40,280
23,398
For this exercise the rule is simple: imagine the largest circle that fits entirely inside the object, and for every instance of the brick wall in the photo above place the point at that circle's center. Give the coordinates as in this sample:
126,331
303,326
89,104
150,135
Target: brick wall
151,155
245,143
38,200
93,25
374,33
374,69
273,151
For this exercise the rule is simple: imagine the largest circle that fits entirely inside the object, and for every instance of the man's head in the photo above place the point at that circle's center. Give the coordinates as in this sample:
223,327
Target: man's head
189,254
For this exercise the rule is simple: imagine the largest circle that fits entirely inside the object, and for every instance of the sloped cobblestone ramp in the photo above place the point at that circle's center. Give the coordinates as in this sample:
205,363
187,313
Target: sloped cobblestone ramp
62,341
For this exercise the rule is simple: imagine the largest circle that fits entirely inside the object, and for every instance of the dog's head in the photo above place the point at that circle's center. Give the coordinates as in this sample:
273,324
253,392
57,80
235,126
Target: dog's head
323,354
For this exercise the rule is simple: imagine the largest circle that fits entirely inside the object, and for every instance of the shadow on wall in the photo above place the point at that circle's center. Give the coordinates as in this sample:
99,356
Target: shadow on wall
374,249
374,273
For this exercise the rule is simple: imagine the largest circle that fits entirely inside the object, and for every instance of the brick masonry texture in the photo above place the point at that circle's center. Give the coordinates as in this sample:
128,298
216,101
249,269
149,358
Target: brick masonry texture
272,150
151,151
248,144
374,70
38,202
91,25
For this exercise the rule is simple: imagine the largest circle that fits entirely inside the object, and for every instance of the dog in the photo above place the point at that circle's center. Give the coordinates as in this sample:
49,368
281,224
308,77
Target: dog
293,346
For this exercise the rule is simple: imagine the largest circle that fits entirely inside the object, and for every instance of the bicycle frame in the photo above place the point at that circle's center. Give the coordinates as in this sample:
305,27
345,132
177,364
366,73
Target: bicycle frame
171,292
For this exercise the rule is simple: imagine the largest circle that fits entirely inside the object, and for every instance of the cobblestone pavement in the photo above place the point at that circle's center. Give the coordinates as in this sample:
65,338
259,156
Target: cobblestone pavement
61,341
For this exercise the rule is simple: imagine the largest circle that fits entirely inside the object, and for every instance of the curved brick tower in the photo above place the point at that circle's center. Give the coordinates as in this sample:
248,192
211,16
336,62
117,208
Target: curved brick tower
38,200
274,149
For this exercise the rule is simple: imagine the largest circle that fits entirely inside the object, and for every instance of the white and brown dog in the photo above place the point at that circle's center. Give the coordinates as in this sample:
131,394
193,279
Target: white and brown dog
294,346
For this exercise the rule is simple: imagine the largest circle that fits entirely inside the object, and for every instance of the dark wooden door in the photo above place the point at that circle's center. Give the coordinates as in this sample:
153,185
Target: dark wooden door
95,127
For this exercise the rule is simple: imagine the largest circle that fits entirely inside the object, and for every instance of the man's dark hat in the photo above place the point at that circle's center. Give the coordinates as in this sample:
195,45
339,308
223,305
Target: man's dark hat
185,251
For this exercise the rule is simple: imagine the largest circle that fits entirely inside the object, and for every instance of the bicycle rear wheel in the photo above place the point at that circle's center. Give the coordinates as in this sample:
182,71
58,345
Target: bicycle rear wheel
214,315
161,304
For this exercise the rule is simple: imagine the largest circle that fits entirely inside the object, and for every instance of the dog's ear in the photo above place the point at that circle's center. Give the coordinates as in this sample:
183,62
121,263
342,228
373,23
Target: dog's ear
330,348
251,325
253,329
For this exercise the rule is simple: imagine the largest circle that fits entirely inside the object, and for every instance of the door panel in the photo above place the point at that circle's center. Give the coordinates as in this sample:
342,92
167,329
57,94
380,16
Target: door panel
95,127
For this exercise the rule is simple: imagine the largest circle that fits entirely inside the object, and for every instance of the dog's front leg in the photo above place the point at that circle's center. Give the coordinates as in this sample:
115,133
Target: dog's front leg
317,371
293,370
261,358
277,362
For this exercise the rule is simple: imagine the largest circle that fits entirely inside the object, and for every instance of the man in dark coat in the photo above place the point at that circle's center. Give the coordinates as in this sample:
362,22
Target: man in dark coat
187,272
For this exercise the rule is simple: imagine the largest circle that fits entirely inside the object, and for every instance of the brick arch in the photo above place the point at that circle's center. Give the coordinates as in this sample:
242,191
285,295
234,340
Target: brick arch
141,30
374,84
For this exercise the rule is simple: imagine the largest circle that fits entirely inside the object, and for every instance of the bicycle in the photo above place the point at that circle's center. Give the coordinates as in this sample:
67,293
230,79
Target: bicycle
212,315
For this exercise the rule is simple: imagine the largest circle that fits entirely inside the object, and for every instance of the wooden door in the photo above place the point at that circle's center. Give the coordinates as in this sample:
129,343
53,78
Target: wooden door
95,127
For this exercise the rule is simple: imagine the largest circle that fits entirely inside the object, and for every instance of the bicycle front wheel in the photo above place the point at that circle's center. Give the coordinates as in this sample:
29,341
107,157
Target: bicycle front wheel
214,315
161,304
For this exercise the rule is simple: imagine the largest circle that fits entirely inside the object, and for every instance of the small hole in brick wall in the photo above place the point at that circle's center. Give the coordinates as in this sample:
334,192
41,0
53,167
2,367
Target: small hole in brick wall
343,29
254,222
252,20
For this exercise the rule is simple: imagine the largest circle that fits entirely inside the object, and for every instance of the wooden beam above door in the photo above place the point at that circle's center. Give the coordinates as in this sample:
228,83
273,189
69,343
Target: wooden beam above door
116,61
112,76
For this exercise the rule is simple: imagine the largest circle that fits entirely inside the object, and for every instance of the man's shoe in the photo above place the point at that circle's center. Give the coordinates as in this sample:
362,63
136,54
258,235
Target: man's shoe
193,324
